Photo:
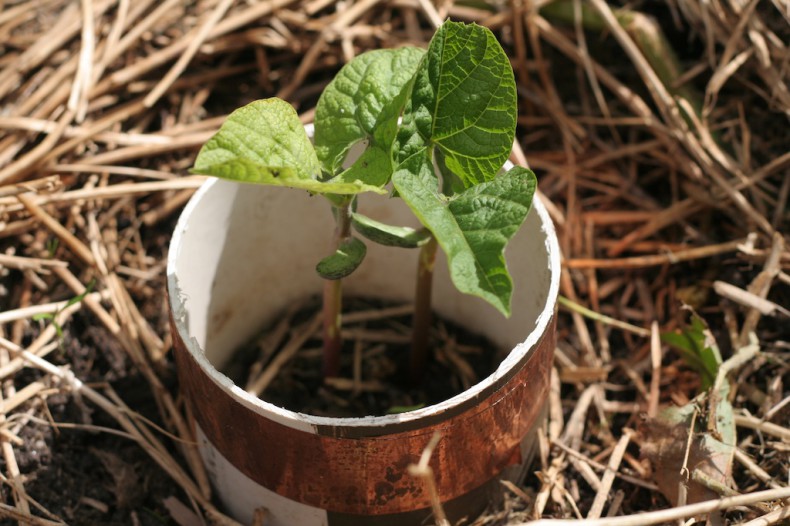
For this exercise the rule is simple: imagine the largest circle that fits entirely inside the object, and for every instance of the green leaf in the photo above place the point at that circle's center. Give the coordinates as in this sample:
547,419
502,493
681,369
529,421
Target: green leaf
52,246
264,142
473,227
363,103
389,235
398,409
50,316
698,348
78,298
374,167
463,102
344,261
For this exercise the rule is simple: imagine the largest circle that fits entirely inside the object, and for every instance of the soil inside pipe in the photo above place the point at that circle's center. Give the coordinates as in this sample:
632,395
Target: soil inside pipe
374,378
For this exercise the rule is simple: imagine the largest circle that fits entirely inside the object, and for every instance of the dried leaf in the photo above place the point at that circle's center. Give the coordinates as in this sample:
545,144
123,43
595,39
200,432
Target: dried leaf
666,438
694,444
126,484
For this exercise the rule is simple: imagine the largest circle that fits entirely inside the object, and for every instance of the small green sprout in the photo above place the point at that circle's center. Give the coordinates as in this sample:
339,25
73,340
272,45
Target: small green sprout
53,316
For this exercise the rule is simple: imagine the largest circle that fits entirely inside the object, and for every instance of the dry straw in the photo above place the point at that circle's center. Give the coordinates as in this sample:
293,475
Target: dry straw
659,134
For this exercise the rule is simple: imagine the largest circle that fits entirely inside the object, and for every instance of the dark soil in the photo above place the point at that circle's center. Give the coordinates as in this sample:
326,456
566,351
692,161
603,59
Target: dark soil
84,472
80,471
459,360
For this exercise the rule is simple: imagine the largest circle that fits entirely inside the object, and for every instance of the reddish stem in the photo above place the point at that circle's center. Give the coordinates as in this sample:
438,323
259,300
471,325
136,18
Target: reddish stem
333,341
333,299
421,325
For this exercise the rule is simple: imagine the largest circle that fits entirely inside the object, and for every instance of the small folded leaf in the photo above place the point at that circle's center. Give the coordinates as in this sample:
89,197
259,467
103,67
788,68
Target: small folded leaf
344,261
389,235
374,167
264,142
463,102
472,228
698,348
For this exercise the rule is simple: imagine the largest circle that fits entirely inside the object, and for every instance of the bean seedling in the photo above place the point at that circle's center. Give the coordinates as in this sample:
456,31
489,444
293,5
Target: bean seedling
437,127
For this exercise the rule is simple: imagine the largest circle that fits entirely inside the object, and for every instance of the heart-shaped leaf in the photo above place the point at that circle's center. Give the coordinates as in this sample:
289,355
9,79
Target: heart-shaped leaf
463,102
264,142
472,227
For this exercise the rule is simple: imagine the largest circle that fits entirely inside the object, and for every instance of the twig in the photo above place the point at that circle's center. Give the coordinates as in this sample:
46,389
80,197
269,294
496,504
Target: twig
747,299
25,517
12,467
655,370
773,517
425,472
768,428
608,477
584,311
430,11
298,337
601,467
761,286
155,450
44,184
194,43
28,312
69,239
35,264
670,109
656,259
20,168
118,190
78,100
660,516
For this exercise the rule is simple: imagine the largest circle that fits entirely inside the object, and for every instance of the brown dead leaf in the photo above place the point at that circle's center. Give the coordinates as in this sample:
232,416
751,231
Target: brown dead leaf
126,483
665,442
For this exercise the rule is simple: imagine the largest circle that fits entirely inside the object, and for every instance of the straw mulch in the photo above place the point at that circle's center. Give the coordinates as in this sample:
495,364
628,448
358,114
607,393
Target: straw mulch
660,138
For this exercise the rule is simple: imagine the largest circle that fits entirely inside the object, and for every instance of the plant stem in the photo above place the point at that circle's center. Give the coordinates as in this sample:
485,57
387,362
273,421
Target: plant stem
333,298
422,311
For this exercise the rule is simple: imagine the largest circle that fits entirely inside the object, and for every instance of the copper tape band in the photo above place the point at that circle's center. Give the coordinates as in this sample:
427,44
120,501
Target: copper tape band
367,475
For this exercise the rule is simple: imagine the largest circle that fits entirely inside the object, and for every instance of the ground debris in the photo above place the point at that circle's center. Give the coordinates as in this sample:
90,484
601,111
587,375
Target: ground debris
659,136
